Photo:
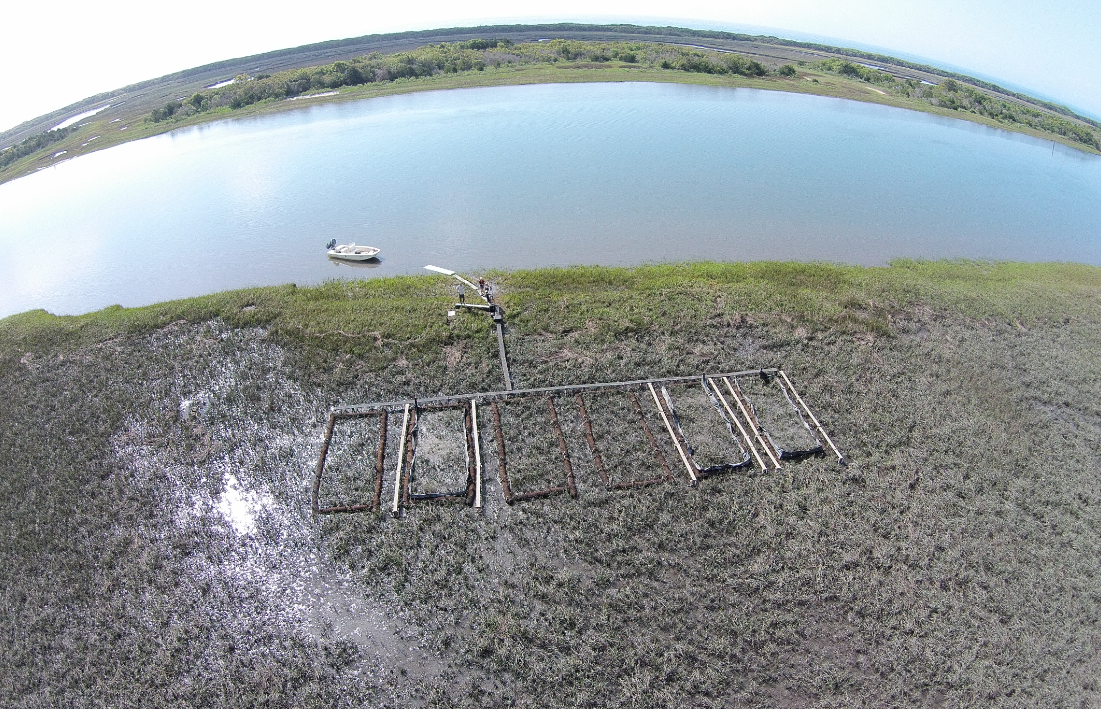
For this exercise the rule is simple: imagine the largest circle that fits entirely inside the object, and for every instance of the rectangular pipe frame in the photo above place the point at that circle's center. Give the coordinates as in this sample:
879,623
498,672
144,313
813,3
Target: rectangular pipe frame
408,496
665,404
406,452
598,460
741,429
380,458
502,468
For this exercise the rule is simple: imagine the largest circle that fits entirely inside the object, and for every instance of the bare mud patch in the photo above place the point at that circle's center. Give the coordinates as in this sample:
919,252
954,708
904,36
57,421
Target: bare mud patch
233,456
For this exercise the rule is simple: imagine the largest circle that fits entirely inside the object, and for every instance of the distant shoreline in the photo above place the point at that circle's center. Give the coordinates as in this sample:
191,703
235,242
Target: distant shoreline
838,88
127,117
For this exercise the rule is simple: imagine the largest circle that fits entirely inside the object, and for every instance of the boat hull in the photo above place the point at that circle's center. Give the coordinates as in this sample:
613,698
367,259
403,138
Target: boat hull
353,253
353,257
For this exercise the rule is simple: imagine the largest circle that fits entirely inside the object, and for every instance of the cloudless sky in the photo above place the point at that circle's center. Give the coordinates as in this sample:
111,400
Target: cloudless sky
60,52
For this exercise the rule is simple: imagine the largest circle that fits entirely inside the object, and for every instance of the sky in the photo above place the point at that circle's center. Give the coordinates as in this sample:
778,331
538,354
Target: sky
68,50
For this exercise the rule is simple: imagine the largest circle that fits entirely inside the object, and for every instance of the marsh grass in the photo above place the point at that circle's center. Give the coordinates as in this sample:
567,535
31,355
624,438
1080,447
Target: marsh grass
624,448
381,320
532,452
955,562
349,475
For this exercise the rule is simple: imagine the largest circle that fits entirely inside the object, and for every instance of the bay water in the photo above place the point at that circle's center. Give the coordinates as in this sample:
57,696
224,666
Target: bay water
532,176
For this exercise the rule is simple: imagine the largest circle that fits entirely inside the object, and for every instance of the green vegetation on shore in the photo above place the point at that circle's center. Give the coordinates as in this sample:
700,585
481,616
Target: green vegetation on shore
34,144
454,58
395,317
955,96
478,55
955,562
500,62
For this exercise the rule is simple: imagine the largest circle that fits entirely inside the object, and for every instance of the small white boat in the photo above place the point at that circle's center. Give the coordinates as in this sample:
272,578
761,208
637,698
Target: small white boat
352,252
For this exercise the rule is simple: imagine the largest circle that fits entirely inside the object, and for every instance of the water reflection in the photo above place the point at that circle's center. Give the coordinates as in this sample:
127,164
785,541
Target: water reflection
528,176
373,262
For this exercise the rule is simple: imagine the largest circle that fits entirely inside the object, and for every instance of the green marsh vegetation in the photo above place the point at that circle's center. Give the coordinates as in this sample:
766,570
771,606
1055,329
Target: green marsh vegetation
498,62
955,562
476,56
455,58
956,96
34,144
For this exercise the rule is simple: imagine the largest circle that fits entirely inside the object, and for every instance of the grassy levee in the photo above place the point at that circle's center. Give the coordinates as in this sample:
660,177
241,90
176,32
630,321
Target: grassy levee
955,562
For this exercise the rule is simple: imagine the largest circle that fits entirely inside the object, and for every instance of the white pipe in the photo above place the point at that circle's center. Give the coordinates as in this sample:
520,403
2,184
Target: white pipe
749,419
477,456
448,272
746,436
401,463
840,458
669,428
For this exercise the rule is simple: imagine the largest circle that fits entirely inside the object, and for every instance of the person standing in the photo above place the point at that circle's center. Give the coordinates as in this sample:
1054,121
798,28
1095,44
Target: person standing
462,293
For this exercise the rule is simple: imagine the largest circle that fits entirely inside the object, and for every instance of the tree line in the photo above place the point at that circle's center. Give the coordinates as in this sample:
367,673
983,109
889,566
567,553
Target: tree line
453,58
33,144
957,96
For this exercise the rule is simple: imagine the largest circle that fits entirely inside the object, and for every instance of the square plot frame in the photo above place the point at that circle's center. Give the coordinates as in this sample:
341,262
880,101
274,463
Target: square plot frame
795,450
380,462
667,405
512,497
408,464
598,460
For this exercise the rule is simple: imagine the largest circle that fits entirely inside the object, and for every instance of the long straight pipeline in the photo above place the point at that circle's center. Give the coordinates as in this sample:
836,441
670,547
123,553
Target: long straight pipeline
486,397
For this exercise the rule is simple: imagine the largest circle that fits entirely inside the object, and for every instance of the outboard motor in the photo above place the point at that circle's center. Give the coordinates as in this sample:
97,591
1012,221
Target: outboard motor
329,246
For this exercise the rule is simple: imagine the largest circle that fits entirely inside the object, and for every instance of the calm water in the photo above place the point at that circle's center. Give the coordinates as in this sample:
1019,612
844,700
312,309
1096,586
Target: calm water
535,176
